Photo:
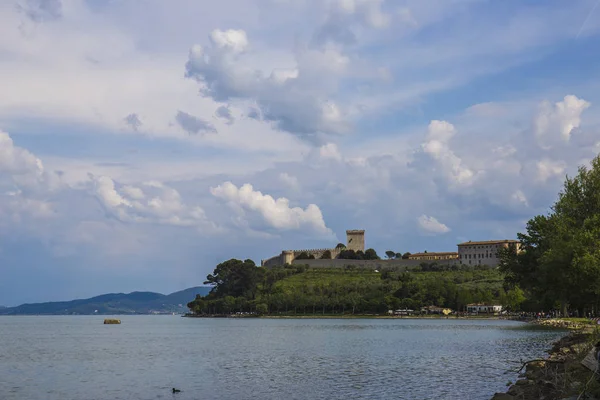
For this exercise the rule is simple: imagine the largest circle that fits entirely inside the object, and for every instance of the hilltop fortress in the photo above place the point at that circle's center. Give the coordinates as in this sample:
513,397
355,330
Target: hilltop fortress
469,253
355,240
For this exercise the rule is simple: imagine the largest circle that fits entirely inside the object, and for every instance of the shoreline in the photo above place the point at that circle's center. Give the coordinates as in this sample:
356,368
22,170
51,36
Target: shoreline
357,316
561,375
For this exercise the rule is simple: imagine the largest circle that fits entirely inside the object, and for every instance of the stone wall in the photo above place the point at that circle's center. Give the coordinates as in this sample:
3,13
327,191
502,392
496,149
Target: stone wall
288,256
372,264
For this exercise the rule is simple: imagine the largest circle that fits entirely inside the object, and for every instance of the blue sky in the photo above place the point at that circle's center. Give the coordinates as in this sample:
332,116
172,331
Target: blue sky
140,146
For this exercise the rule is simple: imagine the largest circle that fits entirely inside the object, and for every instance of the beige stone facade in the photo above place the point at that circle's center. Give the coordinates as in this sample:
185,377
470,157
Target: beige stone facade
355,240
484,252
448,255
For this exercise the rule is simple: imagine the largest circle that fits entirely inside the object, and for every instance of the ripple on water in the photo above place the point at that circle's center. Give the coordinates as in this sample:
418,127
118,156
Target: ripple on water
55,358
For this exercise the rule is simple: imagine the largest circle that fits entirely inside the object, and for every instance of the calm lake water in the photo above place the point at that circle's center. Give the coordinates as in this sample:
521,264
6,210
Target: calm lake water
77,357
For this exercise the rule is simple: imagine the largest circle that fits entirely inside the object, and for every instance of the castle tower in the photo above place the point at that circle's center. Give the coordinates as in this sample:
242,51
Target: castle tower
287,256
355,240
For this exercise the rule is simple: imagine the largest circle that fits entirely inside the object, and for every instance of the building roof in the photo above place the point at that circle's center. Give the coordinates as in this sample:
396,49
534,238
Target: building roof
488,242
441,253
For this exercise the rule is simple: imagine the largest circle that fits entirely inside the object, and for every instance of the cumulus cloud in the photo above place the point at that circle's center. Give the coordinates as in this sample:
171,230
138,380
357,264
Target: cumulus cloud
276,213
298,99
431,225
437,146
25,185
554,123
289,180
41,10
157,203
224,112
193,125
346,15
330,151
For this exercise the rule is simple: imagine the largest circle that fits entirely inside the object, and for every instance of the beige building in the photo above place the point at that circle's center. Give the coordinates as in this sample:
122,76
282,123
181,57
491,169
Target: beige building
485,252
449,255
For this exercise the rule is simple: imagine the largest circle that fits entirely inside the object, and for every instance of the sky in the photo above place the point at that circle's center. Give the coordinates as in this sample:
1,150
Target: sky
142,143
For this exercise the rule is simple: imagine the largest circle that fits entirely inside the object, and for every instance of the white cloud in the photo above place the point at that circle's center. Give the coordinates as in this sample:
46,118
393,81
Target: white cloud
547,169
330,151
438,147
277,213
290,181
555,123
431,225
297,100
157,204
24,184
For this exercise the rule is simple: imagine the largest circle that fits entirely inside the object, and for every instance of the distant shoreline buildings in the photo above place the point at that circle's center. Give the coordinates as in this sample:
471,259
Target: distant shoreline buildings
469,253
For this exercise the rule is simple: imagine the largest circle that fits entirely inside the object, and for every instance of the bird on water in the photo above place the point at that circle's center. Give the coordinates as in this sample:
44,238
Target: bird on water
176,390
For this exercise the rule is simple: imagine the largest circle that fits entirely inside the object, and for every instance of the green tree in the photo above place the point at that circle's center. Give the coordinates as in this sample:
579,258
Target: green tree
560,257
326,255
234,278
513,299
371,254
390,254
405,255
262,308
340,246
304,256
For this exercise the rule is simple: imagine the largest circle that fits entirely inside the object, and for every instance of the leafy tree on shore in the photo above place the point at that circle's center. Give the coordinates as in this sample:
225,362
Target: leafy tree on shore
560,257
390,254
405,255
234,278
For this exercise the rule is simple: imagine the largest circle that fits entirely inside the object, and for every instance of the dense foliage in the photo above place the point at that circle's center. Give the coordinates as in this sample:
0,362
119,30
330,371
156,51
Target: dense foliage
369,254
302,290
559,265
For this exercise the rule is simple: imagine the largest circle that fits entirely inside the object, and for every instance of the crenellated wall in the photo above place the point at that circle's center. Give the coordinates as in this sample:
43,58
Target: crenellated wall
355,240
288,256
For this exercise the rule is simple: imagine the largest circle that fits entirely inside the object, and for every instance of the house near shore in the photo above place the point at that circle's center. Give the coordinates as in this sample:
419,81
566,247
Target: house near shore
484,308
401,312
435,310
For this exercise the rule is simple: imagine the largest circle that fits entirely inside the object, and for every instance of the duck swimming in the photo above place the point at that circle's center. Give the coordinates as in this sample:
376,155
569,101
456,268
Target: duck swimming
176,390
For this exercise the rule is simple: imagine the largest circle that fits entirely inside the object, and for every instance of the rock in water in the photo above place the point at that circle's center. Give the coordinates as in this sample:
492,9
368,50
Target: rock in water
111,321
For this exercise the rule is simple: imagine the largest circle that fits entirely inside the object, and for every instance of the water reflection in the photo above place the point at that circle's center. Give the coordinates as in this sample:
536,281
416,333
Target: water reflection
79,358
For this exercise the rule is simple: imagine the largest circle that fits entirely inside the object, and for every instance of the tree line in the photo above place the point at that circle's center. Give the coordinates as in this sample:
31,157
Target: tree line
558,265
240,286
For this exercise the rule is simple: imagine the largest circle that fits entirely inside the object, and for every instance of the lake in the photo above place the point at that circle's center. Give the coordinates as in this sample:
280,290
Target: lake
77,357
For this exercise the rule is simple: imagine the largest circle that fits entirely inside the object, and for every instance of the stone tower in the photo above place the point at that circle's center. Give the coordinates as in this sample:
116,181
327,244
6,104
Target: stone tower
355,240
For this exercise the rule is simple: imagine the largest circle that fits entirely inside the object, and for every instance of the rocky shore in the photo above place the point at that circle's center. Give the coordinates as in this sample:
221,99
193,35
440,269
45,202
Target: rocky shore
562,375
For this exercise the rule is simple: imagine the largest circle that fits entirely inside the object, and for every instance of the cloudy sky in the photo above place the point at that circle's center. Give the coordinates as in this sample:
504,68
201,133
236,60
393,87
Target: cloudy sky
143,142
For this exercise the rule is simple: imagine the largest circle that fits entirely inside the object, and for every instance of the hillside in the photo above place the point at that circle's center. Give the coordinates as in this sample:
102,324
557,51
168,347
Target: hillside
334,290
302,290
113,303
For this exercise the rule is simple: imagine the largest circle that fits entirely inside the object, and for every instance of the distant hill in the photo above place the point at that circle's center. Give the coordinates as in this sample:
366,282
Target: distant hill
114,303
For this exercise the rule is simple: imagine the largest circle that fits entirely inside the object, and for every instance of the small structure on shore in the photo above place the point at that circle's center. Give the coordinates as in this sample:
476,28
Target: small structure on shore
484,308
111,321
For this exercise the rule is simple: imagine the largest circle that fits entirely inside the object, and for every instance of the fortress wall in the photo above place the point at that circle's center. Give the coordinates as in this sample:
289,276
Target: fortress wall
273,261
372,264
